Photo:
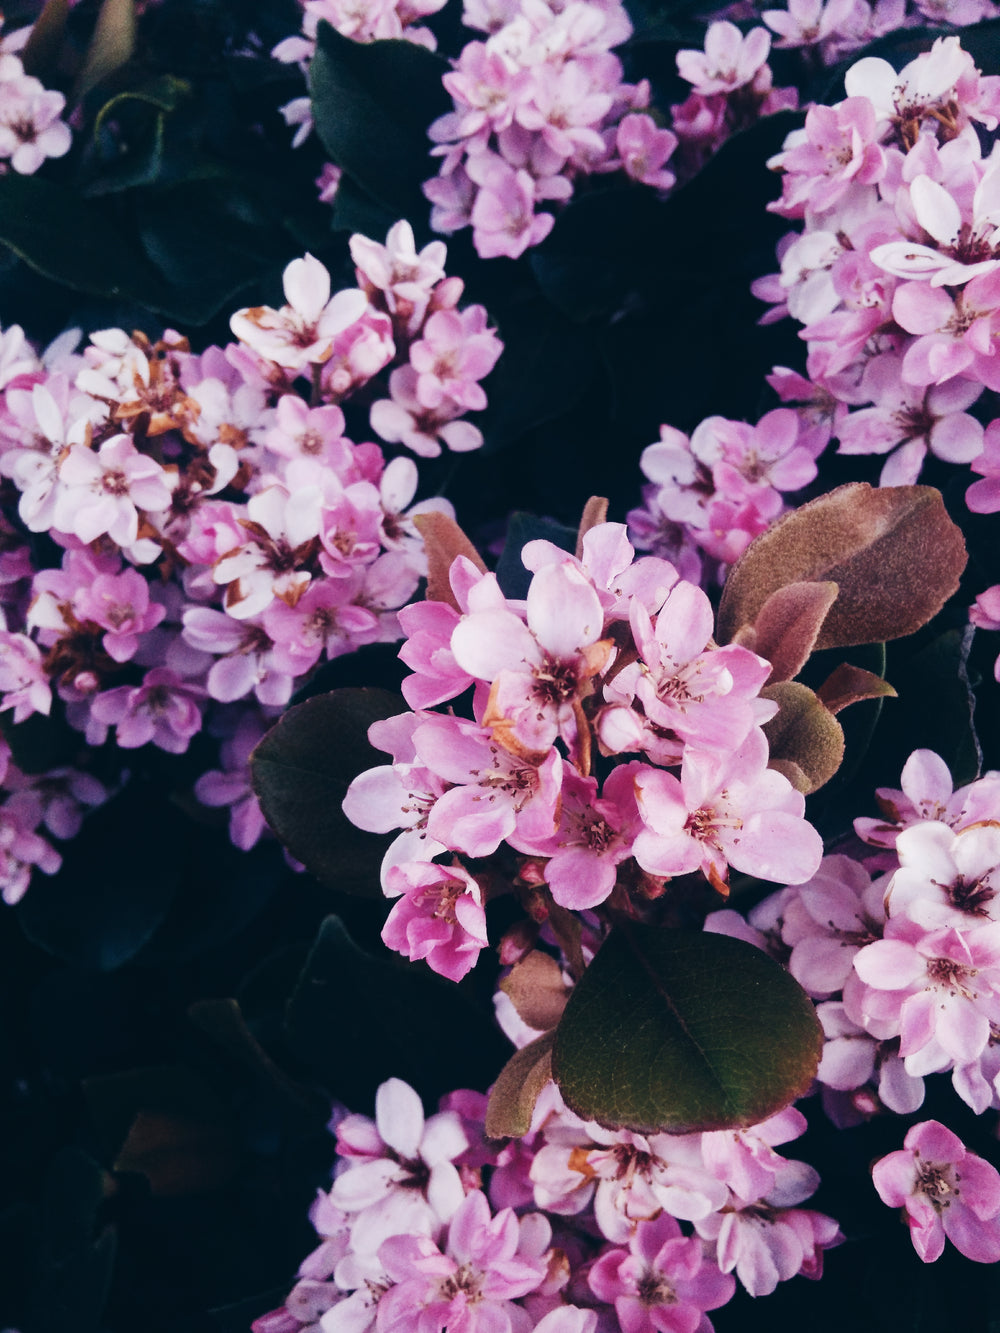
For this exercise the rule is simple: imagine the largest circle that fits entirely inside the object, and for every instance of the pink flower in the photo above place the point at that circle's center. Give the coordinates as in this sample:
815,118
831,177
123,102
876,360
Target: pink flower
399,1173
301,333
103,491
729,60
455,352
644,149
164,710
725,810
662,1283
24,682
440,916
504,220
768,1245
30,128
488,1263
120,604
947,1191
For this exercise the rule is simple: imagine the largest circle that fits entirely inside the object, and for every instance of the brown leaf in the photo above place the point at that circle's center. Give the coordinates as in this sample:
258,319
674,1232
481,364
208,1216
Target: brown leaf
803,732
788,625
179,1154
595,511
111,45
894,553
42,50
849,685
443,541
537,990
512,1100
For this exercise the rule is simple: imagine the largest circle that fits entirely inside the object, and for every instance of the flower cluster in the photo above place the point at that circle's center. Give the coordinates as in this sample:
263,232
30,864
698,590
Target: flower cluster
537,103
214,533
709,495
429,1224
31,128
606,653
900,950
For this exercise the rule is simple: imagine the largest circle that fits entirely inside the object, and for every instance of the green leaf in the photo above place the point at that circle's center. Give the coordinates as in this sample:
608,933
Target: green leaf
76,1254
118,879
677,1031
357,1019
74,241
301,771
372,104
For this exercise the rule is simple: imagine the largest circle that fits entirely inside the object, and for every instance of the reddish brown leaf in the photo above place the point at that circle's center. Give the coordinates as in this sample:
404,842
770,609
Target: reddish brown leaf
894,553
849,685
788,625
444,540
595,511
512,1100
804,733
537,990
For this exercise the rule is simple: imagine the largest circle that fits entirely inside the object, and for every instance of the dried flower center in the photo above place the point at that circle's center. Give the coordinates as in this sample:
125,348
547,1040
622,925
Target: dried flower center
654,1289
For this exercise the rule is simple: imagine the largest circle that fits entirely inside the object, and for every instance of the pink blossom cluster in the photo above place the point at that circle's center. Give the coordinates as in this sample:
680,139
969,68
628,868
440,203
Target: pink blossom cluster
607,654
572,1229
900,950
31,127
540,102
833,29
732,87
367,21
710,494
894,275
214,533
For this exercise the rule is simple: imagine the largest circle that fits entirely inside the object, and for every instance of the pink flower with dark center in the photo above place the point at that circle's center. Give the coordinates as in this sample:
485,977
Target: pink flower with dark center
30,128
102,491
766,1245
164,711
488,1263
662,1283
301,333
24,682
643,149
495,796
939,990
729,60
455,352
725,810
947,1192
440,916
120,604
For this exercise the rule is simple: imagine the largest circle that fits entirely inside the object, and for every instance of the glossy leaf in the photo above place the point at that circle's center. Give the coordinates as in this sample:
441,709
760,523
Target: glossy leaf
894,553
372,104
680,1031
301,771
132,856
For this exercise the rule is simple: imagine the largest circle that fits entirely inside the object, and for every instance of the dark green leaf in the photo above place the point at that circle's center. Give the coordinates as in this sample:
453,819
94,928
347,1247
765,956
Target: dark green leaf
523,528
74,241
522,398
357,1020
372,104
75,1255
118,879
677,1031
354,210
301,771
